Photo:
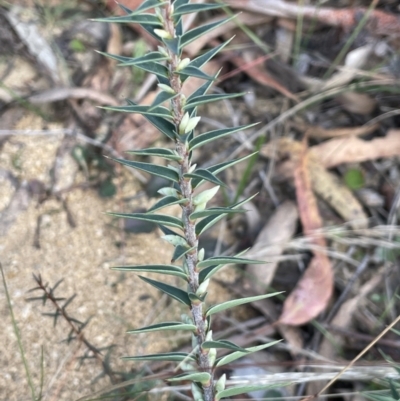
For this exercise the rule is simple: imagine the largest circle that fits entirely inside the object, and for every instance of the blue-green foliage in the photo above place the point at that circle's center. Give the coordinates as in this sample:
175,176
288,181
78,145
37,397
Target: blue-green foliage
177,121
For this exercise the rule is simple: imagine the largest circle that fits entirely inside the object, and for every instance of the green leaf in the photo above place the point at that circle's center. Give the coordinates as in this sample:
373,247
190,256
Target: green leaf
170,270
354,178
166,201
162,125
165,326
197,101
180,251
170,290
161,98
236,302
173,44
195,8
128,61
153,218
195,33
146,5
167,231
208,222
247,389
151,168
201,377
169,356
239,354
168,154
227,260
222,344
217,168
202,139
215,211
205,175
199,92
158,111
143,18
207,56
191,71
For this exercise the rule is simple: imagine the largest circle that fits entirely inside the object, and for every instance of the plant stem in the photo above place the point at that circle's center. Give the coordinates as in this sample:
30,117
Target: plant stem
188,209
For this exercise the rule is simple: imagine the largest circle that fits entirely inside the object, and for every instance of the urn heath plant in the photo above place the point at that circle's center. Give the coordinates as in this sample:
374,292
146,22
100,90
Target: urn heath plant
175,116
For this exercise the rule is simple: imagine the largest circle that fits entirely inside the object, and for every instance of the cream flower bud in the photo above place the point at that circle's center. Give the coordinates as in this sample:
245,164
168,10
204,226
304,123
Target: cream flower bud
200,255
191,125
182,64
168,191
212,356
205,196
192,168
162,33
166,88
203,287
183,124
220,384
209,336
197,393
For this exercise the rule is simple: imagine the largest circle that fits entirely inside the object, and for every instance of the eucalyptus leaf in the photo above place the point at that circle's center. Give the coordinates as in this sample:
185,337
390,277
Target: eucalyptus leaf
165,153
151,168
239,354
153,218
165,326
170,270
202,139
170,290
236,302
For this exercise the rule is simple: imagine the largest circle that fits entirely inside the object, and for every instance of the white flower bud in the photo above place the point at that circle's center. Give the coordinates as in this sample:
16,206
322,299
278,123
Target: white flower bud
197,393
212,356
183,124
168,191
209,336
182,64
191,125
202,287
162,51
205,196
166,88
175,240
192,168
200,207
162,33
200,255
220,384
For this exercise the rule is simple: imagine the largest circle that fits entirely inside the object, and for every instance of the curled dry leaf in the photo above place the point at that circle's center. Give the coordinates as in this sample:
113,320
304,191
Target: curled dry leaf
356,150
314,290
271,243
359,103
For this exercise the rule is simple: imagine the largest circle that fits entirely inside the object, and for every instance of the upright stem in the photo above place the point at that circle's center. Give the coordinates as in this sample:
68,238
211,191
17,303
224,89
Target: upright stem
188,209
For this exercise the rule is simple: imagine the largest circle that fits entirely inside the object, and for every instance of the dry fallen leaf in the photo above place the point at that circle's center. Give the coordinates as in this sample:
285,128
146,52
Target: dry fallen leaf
356,150
271,243
314,290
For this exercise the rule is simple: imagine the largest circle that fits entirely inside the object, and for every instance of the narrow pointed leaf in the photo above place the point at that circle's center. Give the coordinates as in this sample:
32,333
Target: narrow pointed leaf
158,111
151,168
208,222
146,5
200,140
166,201
207,56
215,211
161,98
170,270
247,389
217,168
128,61
167,231
200,91
228,260
155,68
173,44
201,377
195,33
236,302
222,344
191,71
173,292
180,251
153,218
163,125
169,356
197,101
195,8
206,176
168,154
239,354
148,19
165,326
